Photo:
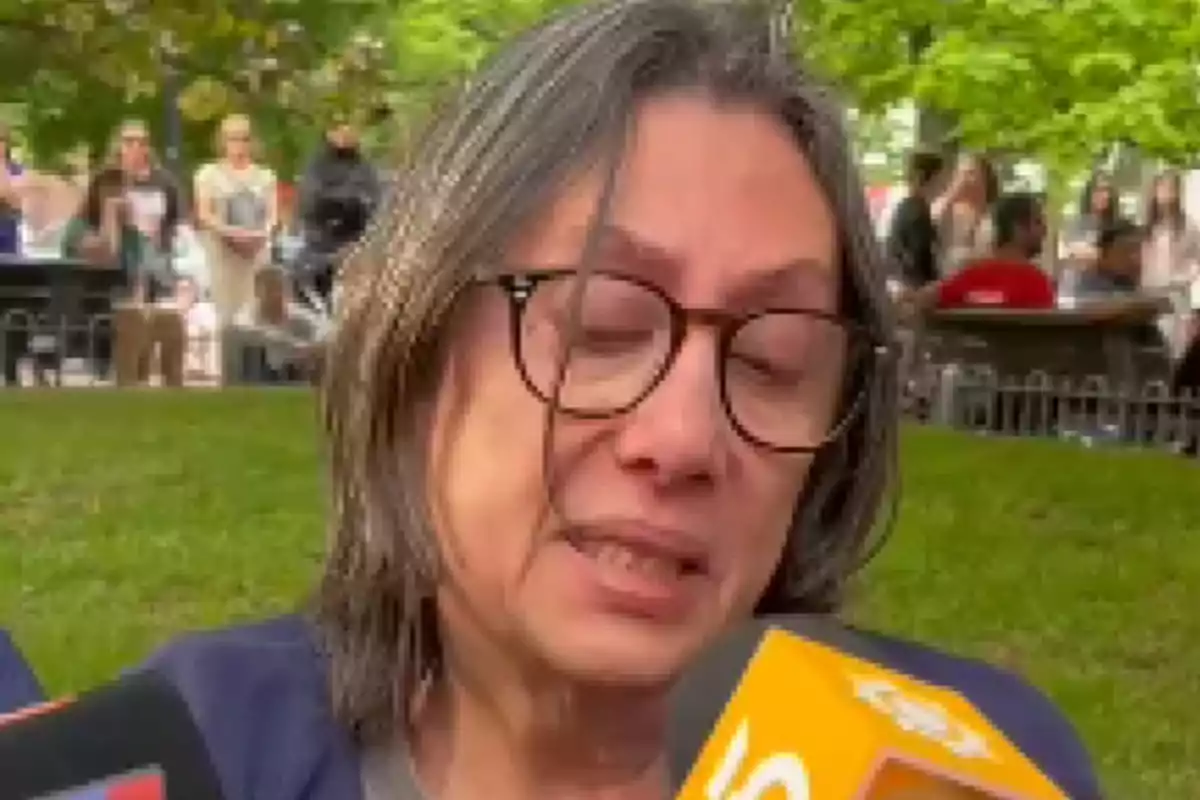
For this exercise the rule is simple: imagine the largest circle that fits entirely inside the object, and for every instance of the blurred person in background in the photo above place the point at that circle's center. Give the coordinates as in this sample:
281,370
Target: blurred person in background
339,193
962,213
237,210
912,243
1113,285
200,325
1171,258
151,204
288,334
107,231
1099,208
1118,267
1008,276
11,174
611,375
127,220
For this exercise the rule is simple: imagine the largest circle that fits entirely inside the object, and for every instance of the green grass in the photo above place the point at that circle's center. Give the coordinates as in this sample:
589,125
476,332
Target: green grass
127,517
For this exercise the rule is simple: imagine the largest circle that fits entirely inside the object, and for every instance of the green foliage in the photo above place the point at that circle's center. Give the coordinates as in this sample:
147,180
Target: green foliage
1059,80
1055,79
79,66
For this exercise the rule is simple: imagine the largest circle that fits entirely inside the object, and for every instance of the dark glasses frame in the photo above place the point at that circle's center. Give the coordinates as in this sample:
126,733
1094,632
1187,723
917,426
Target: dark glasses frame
519,286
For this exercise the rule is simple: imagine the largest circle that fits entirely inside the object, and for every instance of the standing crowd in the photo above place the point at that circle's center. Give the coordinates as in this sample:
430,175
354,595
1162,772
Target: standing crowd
252,300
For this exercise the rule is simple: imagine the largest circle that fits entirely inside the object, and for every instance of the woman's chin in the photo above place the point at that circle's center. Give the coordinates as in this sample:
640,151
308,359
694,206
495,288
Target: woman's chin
616,655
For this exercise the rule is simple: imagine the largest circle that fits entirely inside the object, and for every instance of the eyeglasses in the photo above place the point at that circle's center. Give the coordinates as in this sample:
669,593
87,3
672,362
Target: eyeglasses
597,345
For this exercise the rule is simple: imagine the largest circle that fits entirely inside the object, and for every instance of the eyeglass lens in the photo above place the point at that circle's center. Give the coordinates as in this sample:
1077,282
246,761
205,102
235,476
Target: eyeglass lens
781,371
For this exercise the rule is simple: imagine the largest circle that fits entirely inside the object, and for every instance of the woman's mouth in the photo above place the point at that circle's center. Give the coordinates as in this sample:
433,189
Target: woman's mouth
622,555
640,571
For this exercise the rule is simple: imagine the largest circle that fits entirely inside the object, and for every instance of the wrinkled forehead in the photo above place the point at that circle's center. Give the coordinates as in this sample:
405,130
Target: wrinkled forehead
708,200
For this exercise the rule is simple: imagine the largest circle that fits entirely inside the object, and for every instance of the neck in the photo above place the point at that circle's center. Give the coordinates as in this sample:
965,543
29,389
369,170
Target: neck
1011,252
489,729
237,161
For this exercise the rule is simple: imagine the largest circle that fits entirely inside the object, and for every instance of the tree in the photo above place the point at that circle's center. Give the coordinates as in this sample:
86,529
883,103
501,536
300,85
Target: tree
79,66
1054,79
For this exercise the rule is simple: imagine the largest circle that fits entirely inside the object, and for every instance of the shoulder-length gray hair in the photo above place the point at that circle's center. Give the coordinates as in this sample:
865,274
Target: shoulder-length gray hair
560,95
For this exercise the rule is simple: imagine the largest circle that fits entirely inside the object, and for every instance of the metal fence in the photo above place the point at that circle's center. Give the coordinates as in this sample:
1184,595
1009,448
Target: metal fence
1093,411
40,351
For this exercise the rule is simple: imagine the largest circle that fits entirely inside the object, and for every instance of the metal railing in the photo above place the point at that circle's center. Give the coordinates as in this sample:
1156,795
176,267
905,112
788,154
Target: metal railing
1092,411
43,351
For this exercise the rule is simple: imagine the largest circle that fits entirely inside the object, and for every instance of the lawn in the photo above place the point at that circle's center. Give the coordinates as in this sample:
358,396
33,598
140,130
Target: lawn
127,517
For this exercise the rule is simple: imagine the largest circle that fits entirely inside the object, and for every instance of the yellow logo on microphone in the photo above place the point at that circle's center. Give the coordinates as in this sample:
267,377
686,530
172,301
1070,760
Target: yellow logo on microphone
851,729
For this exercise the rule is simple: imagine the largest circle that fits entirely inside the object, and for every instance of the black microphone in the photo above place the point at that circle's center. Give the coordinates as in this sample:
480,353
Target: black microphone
132,738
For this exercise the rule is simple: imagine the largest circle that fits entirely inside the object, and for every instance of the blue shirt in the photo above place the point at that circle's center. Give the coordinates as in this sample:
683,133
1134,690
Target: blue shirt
259,695
18,686
10,219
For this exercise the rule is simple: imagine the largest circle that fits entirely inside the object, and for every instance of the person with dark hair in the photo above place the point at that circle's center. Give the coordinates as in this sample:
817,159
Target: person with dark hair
1008,278
1118,268
127,220
1099,207
961,212
339,193
612,373
912,236
1113,285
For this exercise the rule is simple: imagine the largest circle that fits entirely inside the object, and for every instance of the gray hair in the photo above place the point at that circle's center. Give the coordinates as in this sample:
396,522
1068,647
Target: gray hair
559,97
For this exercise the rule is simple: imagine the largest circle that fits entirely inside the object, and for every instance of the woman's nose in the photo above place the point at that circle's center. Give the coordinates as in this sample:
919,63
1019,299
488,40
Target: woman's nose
678,434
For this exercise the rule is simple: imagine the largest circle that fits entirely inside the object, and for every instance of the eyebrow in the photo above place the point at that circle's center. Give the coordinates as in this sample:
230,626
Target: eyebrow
798,278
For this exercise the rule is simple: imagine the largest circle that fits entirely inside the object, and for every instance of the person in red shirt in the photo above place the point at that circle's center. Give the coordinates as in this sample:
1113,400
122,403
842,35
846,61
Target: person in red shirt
1008,278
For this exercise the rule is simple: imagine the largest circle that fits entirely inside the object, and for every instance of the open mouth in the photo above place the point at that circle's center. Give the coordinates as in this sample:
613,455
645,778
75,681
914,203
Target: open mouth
641,558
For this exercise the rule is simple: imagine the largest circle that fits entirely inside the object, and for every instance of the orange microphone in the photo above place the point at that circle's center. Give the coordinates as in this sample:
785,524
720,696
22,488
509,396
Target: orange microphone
808,721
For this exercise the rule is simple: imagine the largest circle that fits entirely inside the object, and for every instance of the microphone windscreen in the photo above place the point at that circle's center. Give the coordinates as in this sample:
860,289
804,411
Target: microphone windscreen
804,711
134,738
699,697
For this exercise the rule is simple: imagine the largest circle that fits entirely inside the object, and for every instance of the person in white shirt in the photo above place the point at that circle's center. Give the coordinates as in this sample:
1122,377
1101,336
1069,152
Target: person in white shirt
1171,258
200,360
237,209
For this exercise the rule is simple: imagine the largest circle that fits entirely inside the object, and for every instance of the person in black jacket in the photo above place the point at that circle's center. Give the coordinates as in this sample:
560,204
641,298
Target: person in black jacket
912,237
338,195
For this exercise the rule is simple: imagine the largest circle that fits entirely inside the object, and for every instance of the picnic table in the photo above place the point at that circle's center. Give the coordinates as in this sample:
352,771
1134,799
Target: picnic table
1089,340
52,307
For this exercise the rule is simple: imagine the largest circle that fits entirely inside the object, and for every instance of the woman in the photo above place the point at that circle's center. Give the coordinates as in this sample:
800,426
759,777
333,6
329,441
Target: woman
1099,208
236,206
1171,258
962,213
609,376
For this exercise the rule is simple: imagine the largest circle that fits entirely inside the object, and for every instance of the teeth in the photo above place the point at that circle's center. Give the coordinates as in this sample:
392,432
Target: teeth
618,556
